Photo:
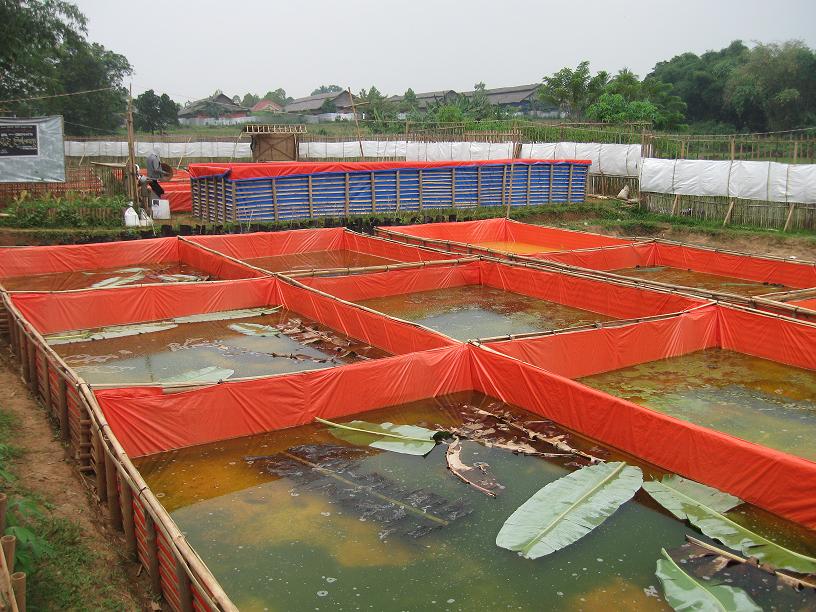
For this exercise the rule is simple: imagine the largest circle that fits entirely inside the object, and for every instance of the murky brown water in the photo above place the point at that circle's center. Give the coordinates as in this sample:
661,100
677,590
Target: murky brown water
519,248
140,274
213,350
702,280
319,260
279,543
478,311
754,399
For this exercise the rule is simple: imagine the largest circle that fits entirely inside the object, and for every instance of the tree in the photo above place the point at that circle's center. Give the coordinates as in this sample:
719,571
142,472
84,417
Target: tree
615,108
408,102
573,91
44,53
154,113
168,111
627,99
479,106
377,108
249,100
775,88
279,96
324,89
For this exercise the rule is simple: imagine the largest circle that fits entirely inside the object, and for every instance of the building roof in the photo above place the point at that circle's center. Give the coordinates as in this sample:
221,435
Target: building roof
199,107
267,104
508,95
312,103
428,97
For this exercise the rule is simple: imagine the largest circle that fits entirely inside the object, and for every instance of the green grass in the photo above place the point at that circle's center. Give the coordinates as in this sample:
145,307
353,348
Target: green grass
62,572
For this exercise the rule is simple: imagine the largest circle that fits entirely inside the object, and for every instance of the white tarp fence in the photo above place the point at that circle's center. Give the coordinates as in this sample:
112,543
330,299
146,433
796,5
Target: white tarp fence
608,159
31,150
101,148
751,180
371,148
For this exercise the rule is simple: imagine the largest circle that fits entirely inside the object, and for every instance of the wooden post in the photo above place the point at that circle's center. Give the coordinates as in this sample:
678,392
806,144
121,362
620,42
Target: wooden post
130,169
569,184
419,205
529,177
99,466
795,150
9,543
356,122
478,185
128,526
18,585
510,192
504,185
49,408
111,485
398,189
549,189
23,353
348,193
152,552
675,205
728,214
275,197
453,186
311,203
32,367
185,592
733,148
373,193
62,407
790,216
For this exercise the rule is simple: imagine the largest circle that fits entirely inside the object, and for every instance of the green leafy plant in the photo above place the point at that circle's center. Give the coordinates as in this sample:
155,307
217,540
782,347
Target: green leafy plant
567,509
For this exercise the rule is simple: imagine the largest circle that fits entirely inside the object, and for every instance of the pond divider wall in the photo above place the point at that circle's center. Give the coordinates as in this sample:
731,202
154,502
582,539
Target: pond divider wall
246,193
105,426
593,255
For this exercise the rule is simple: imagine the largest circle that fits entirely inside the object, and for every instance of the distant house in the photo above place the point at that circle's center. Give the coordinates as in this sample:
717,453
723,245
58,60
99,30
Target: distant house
215,110
339,102
429,98
521,99
267,106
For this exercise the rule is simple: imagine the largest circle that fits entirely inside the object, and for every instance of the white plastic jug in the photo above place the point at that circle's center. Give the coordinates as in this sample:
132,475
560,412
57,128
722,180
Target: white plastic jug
131,217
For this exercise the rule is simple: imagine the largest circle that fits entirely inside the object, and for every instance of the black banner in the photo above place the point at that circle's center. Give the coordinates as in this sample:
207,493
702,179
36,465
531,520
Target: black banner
18,140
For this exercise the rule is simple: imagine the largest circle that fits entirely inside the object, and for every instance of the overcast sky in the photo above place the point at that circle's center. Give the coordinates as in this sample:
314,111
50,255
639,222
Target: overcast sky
189,48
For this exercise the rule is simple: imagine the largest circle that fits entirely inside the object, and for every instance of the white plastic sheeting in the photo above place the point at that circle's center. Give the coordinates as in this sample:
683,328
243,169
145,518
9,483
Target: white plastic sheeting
458,151
371,148
101,148
608,159
751,180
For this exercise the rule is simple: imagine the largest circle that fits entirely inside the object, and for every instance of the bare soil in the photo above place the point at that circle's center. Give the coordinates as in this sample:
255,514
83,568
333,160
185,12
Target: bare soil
44,469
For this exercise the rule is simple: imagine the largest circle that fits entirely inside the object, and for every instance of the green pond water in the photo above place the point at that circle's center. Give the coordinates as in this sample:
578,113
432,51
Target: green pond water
319,260
275,543
752,398
702,280
479,311
279,342
139,274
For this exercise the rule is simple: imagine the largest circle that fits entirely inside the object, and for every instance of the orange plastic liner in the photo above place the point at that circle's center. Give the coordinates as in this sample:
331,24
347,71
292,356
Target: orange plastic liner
793,274
810,303
504,230
266,244
770,479
620,301
146,421
29,261
91,308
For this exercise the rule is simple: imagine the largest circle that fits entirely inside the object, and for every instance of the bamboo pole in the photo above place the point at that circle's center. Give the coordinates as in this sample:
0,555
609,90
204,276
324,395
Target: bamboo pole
128,525
3,507
9,544
99,466
18,585
62,407
152,553
728,213
356,122
130,171
33,381
790,216
112,487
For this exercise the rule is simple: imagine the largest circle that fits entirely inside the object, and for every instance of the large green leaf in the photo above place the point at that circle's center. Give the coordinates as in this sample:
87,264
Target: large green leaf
406,439
684,592
569,508
681,499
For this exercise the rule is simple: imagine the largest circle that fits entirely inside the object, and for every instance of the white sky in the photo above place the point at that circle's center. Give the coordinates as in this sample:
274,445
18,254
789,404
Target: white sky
189,48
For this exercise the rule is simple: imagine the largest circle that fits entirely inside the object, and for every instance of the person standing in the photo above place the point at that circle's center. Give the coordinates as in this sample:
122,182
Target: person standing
155,173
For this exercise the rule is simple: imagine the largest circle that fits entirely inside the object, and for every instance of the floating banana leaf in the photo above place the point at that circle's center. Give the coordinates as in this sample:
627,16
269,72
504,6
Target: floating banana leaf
569,508
683,592
254,329
223,315
679,497
335,471
406,439
117,281
210,374
116,331
476,475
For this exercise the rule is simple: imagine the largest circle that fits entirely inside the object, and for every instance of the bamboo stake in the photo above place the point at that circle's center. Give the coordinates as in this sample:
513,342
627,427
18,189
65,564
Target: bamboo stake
32,369
128,526
356,122
18,585
99,466
152,553
112,487
728,213
790,216
9,543
185,592
62,407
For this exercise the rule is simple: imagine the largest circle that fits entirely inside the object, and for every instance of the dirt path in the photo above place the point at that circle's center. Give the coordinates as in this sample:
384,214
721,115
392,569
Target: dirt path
44,470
